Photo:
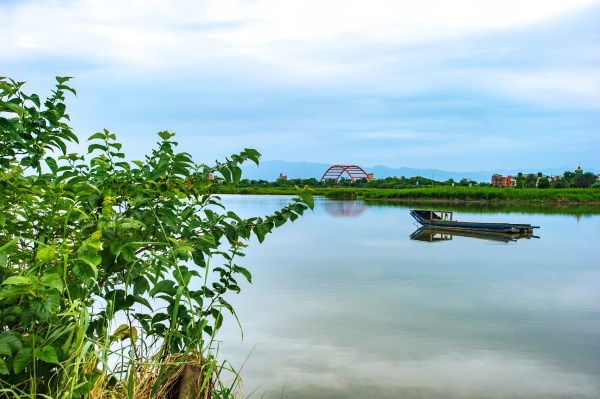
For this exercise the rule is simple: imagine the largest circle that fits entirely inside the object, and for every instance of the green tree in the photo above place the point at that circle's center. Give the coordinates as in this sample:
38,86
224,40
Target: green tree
520,181
544,183
584,180
464,182
530,180
569,178
560,183
450,182
89,240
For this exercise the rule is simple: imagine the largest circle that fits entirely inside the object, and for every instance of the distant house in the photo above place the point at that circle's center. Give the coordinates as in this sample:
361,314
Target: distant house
503,181
282,176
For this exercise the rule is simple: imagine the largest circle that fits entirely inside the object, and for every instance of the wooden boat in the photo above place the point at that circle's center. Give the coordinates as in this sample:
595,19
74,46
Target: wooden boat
444,219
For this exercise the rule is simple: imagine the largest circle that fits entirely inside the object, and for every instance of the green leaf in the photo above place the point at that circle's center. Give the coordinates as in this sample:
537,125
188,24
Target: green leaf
165,135
185,249
97,146
3,369
218,316
226,174
53,280
123,165
46,254
85,271
68,88
60,107
308,199
252,155
131,224
117,146
7,106
140,285
8,244
63,79
5,349
166,286
17,280
245,272
236,174
36,99
124,331
143,301
207,241
92,259
47,354
11,339
96,136
22,359
45,308
96,235
51,162
52,117
157,318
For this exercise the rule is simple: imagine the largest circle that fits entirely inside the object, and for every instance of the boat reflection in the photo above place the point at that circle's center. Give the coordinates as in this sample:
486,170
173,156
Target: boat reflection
345,208
436,234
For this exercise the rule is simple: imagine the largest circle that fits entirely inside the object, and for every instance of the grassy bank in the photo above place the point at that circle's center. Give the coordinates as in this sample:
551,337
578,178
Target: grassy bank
442,194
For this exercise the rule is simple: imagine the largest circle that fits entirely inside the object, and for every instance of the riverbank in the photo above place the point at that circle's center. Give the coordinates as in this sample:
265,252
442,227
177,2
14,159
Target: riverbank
443,194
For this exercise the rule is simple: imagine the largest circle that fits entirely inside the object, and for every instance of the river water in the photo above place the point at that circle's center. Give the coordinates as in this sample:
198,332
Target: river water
344,304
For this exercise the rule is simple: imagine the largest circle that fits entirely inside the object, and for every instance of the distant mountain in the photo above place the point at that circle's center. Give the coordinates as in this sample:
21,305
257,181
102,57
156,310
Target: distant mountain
270,170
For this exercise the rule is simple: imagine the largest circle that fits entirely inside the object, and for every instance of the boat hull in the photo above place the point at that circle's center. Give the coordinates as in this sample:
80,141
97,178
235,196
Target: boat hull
433,219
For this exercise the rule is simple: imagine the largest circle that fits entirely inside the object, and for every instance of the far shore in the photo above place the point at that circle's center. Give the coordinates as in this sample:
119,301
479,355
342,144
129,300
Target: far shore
440,195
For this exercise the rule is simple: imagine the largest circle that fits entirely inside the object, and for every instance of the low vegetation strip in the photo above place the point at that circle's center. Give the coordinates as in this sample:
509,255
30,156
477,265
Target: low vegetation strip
487,194
443,193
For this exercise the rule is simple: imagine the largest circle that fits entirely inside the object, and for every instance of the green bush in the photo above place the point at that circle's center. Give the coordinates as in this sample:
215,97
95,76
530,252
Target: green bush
99,257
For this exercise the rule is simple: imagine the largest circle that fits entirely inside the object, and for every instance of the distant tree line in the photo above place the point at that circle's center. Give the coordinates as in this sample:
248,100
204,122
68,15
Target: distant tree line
387,182
576,179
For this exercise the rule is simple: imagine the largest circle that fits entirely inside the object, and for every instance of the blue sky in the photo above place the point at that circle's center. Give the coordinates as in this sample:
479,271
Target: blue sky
462,85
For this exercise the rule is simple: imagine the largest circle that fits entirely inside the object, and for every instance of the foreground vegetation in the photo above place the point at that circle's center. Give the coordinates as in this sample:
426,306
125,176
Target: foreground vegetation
114,275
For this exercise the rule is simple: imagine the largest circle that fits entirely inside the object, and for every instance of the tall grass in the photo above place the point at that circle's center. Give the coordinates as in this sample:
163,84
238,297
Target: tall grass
441,193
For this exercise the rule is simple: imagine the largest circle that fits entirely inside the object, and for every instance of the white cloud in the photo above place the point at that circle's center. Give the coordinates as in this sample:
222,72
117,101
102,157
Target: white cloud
313,42
354,373
554,88
161,34
321,76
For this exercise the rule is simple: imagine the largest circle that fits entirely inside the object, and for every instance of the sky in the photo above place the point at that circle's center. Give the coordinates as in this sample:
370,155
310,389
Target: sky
462,85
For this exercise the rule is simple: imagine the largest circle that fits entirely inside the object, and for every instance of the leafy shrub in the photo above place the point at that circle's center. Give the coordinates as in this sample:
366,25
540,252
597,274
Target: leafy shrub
99,255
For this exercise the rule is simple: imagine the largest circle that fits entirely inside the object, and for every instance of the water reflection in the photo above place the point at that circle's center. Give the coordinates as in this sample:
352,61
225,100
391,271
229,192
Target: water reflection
437,234
345,208
349,307
576,210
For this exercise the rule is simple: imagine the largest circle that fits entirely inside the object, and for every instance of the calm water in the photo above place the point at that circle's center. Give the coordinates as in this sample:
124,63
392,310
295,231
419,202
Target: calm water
345,305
